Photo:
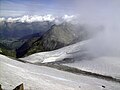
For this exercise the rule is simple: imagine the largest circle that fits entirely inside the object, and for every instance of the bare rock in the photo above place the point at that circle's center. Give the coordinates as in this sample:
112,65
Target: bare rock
0,87
19,87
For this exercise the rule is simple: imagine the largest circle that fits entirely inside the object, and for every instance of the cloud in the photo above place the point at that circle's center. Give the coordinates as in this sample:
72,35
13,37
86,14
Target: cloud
39,18
2,19
27,18
106,43
68,17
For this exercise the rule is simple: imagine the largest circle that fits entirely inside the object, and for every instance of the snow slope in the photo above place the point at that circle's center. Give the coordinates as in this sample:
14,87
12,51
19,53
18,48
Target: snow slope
103,65
55,55
13,73
84,60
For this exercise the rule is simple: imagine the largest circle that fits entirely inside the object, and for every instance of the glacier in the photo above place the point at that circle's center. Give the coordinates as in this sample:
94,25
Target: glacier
82,59
13,73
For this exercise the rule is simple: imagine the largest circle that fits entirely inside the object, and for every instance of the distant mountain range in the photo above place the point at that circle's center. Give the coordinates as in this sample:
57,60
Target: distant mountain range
13,28
30,34
56,37
18,29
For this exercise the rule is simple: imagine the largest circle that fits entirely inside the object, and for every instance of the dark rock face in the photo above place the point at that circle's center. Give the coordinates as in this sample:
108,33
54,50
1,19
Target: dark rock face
19,87
16,34
0,87
103,86
58,36
26,45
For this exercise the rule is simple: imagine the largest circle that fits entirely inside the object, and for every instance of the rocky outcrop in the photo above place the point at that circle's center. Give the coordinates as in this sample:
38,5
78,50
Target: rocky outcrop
1,87
56,37
19,87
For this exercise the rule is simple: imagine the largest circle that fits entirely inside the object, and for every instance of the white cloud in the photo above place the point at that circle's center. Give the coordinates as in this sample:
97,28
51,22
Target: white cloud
68,17
38,18
2,19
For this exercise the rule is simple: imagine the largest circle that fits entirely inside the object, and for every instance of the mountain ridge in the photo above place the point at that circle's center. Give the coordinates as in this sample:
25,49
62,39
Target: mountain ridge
56,37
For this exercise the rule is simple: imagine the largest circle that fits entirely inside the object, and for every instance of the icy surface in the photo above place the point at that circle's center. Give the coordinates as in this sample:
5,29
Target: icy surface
105,65
13,73
56,55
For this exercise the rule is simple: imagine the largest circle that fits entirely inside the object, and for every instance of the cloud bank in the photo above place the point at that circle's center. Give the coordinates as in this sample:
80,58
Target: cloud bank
39,18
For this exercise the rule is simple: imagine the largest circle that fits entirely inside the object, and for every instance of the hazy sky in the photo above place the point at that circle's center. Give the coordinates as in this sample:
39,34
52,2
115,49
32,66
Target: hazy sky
85,7
102,11
32,7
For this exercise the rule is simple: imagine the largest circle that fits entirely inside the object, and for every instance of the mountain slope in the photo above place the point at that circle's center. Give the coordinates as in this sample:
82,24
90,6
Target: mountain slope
13,73
58,36
20,29
78,56
5,50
